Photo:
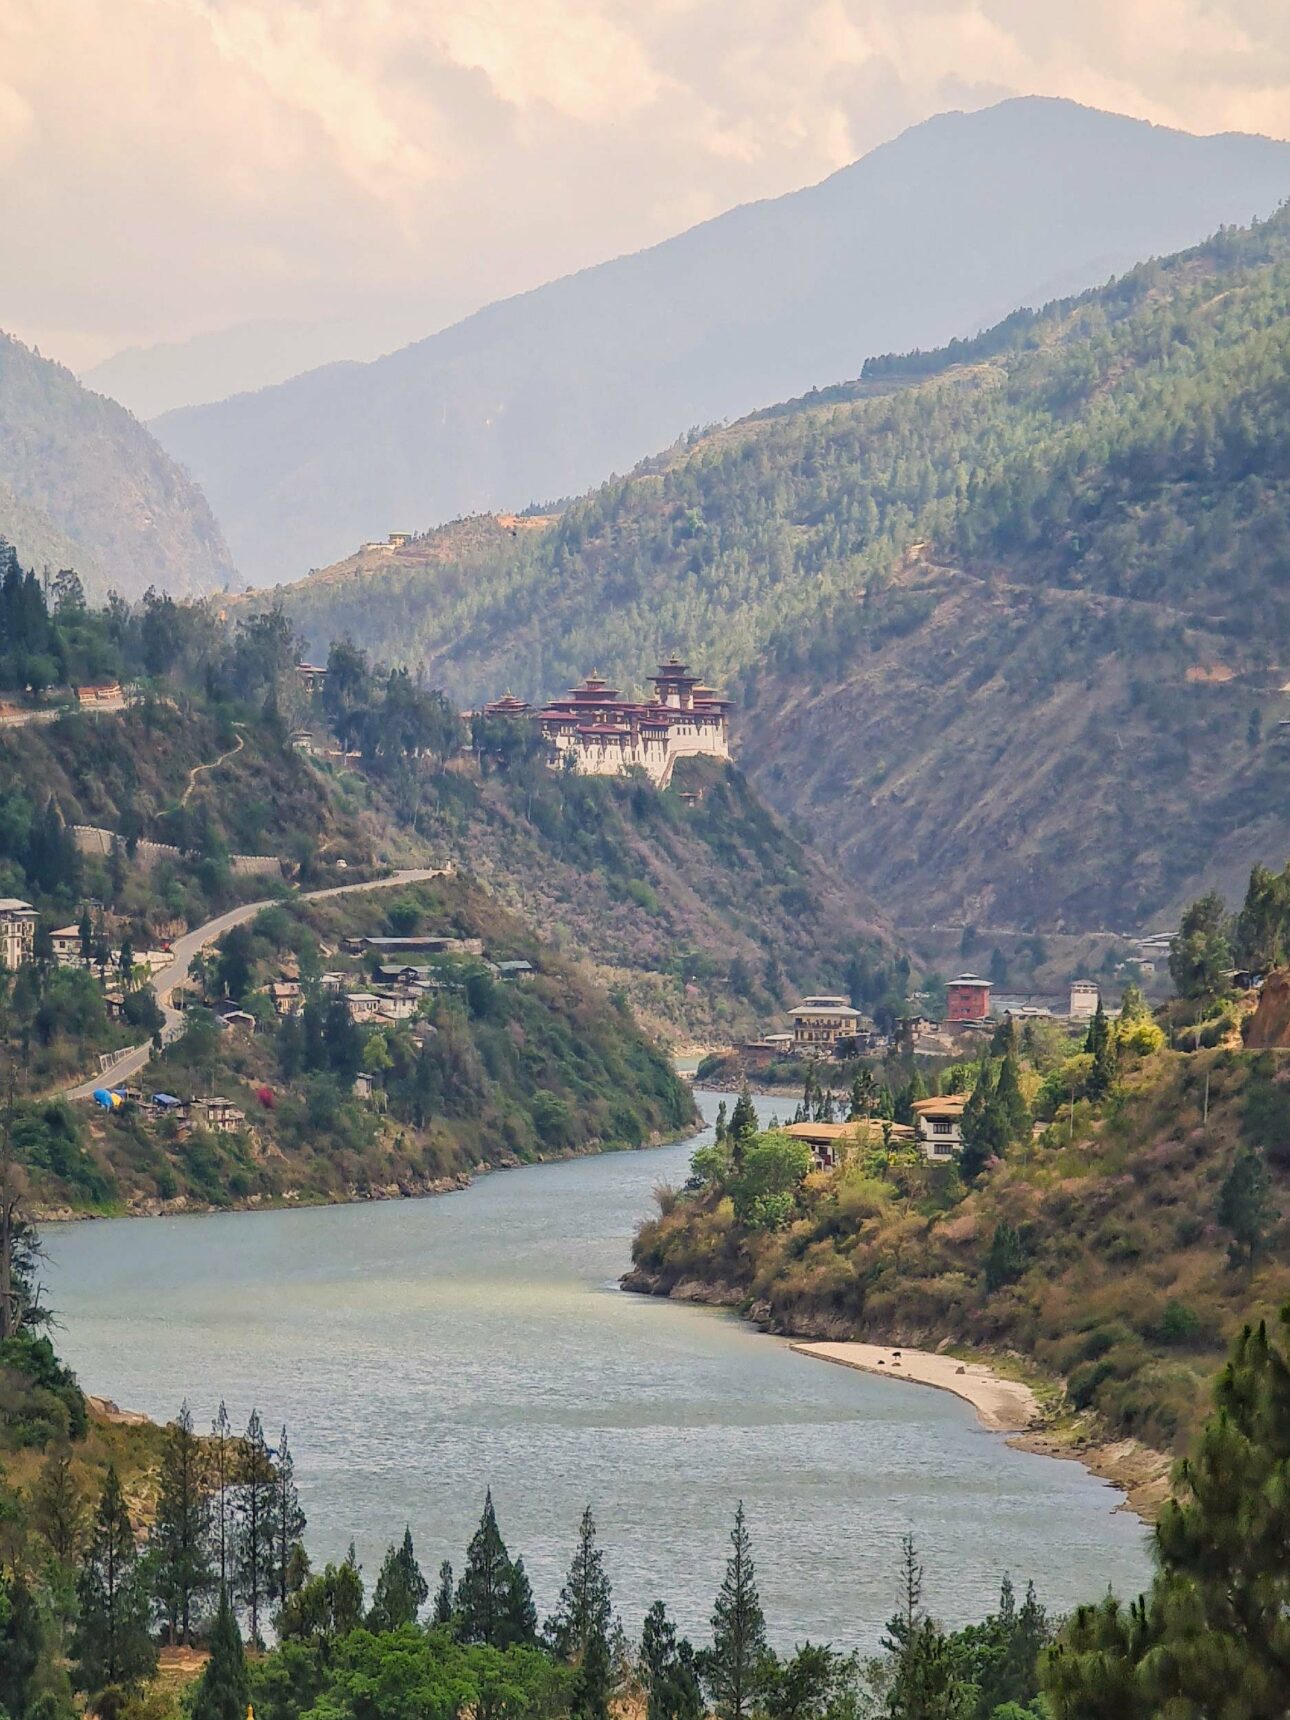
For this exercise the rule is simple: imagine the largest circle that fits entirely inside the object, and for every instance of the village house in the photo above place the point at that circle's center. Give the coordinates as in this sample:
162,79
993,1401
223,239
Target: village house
233,1018
832,1144
938,1126
514,970
221,1116
286,997
967,998
819,1022
396,1006
363,1085
1085,997
66,945
335,981
105,696
312,676
17,931
362,1005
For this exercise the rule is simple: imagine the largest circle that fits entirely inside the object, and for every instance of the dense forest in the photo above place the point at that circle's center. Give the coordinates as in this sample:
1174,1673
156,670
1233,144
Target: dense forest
964,573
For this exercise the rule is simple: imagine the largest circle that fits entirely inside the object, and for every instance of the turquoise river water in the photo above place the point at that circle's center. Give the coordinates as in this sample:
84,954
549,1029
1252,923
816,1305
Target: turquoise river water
420,1349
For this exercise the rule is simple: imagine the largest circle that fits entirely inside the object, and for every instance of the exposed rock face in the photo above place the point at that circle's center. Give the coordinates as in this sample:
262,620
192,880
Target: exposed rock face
1270,1023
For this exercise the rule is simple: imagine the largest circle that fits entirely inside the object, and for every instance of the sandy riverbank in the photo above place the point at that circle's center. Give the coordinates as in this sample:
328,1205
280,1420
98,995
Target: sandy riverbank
1004,1406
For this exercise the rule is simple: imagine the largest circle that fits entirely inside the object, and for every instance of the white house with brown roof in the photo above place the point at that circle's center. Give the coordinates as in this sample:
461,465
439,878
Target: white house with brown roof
938,1126
819,1022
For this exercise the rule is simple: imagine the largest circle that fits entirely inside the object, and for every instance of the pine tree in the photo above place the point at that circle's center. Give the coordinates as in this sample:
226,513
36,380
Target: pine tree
668,1670
223,1461
721,1126
738,1632
57,1506
111,1645
179,1541
21,1645
444,1611
1007,1095
224,1690
1245,1206
586,1600
289,1517
984,1126
592,1682
494,1603
256,1548
743,1126
1213,1635
400,1591
924,1677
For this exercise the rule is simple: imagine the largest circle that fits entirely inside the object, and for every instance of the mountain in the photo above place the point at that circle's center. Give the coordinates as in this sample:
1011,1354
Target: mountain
83,483
943,230
1007,619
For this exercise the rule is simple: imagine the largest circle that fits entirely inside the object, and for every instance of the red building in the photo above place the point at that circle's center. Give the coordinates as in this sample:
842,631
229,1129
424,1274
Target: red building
967,998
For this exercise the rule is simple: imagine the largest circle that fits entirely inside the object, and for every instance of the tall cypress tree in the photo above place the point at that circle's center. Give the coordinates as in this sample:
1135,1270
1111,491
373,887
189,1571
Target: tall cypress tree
179,1541
494,1603
256,1526
738,1631
586,1600
223,1465
444,1612
224,1690
668,1670
289,1518
1008,1097
111,1644
400,1590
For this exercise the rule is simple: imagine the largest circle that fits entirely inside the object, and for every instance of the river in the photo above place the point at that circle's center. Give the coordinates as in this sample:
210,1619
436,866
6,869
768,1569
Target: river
420,1349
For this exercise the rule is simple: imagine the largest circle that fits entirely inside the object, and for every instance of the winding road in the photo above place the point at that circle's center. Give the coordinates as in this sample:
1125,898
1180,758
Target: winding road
186,950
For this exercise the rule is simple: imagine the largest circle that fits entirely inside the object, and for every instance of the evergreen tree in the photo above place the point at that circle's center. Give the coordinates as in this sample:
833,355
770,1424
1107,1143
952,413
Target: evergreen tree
1006,1259
1245,1206
223,1462
586,1600
668,1670
1016,1112
85,931
733,1666
984,1125
289,1517
494,1604
256,1519
1100,1041
743,1126
1212,1637
443,1612
111,1645
401,1590
924,1677
861,1095
592,1682
721,1126
21,1645
57,1506
182,1573
224,1689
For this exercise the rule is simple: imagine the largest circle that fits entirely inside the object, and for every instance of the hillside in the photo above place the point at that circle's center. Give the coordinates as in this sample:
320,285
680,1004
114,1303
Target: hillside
485,1073
1001,616
935,234
1104,1250
83,484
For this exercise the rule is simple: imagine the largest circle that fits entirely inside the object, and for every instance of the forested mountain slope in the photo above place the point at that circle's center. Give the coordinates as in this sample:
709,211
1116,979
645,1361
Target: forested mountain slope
935,234
83,483
1003,615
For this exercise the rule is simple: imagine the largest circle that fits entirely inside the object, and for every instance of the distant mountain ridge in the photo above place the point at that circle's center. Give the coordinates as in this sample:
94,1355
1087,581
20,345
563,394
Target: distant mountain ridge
82,483
1008,621
935,234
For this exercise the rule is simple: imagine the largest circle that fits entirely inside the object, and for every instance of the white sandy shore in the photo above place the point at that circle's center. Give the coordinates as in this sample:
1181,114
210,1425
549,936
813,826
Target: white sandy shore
1004,1406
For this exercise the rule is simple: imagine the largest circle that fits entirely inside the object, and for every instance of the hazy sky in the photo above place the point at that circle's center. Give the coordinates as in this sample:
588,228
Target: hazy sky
173,166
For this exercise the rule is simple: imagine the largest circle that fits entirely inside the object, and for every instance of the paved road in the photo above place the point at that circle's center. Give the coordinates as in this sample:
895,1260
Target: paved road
185,951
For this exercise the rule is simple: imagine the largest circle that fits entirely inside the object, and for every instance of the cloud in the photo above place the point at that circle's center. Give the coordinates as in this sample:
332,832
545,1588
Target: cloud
172,166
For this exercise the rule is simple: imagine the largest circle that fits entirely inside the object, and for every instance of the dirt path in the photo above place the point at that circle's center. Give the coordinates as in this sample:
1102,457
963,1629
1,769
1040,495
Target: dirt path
185,952
197,769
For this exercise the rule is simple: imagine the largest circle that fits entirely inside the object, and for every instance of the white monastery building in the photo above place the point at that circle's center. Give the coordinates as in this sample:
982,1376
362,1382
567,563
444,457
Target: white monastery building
602,734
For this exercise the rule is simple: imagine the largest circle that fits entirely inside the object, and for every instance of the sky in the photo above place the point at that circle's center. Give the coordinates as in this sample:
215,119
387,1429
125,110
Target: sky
174,167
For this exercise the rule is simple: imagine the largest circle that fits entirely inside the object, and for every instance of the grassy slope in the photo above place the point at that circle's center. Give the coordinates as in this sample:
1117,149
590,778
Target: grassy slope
1126,1288
967,600
555,1035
